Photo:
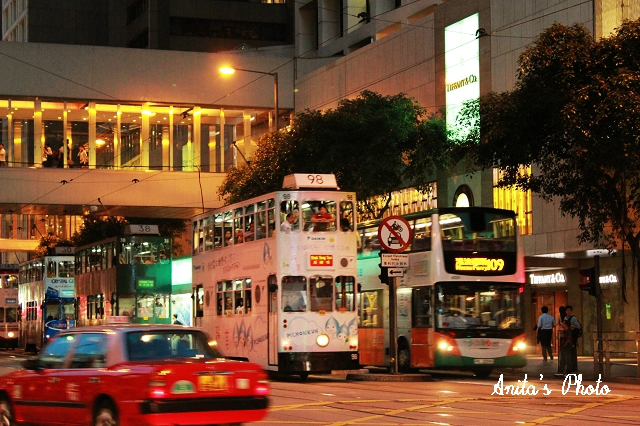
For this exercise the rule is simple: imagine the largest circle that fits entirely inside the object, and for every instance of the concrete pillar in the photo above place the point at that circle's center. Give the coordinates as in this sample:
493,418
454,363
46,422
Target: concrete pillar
92,135
144,138
222,147
117,140
248,148
197,130
38,134
171,144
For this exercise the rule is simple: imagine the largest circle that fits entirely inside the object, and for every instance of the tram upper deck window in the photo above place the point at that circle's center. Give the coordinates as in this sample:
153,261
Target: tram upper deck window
294,294
66,268
51,269
319,215
289,216
347,216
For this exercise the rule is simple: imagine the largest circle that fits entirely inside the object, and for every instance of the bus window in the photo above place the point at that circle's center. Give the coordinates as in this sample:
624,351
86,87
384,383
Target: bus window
370,309
321,288
422,234
294,294
345,300
421,309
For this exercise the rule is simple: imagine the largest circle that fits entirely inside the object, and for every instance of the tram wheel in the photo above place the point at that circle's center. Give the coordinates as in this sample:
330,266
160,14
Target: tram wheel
304,376
482,373
6,412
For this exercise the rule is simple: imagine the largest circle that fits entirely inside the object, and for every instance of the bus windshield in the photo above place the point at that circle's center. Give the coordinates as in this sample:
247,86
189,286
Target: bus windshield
478,305
478,231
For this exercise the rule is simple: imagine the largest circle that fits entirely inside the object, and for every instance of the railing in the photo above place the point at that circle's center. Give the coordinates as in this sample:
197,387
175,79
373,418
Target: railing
611,343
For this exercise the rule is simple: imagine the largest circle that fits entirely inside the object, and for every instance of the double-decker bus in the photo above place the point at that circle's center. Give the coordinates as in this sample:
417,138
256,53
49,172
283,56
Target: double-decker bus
9,308
274,277
47,297
125,278
459,303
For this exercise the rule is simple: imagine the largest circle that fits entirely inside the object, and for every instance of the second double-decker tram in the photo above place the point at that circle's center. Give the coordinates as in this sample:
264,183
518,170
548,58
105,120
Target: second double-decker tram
47,297
459,302
274,277
9,308
125,278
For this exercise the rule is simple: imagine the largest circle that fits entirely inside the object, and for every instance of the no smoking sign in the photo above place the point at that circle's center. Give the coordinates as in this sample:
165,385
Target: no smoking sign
395,234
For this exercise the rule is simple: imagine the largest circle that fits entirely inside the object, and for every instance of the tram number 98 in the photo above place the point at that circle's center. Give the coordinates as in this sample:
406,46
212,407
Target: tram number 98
317,179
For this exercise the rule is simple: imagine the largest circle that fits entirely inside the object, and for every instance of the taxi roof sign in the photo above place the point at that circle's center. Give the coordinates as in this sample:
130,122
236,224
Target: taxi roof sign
310,181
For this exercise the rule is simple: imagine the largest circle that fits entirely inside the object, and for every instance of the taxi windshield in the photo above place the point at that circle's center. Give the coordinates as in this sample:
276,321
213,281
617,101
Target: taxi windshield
153,345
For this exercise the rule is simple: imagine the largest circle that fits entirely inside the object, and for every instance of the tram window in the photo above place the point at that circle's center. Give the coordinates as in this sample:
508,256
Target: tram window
249,223
294,293
195,237
238,236
345,299
199,301
161,306
51,269
346,216
146,304
218,234
65,269
319,215
290,207
52,310
68,311
421,309
271,223
228,228
321,288
208,233
201,235
12,314
370,309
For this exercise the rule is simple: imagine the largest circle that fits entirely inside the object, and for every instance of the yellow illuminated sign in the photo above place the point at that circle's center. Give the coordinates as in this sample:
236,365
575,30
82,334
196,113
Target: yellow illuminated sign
479,264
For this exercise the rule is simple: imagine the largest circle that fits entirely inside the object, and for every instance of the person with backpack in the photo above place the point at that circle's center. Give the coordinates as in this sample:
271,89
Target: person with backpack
576,333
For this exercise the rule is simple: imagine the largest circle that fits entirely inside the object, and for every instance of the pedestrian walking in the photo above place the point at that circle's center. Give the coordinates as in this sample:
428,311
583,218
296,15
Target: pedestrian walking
545,326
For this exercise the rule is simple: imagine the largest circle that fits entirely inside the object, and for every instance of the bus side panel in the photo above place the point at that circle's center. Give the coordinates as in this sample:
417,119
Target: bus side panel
371,346
422,347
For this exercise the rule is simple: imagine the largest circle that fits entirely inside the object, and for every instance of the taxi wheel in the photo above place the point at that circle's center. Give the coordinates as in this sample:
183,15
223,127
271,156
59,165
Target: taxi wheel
482,373
6,414
105,415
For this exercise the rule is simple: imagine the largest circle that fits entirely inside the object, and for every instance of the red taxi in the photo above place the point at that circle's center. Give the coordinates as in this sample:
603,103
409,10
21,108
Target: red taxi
133,375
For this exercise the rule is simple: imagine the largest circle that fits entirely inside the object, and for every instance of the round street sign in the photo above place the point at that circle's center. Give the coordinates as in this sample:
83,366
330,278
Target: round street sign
394,234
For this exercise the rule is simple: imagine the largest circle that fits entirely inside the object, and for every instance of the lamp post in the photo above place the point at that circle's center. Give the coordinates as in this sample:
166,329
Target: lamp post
231,70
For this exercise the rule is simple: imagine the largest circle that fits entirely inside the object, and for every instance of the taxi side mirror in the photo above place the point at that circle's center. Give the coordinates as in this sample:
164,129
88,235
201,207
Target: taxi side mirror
31,364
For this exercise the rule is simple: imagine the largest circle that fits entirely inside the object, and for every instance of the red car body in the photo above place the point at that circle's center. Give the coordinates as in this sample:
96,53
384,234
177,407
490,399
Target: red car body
133,375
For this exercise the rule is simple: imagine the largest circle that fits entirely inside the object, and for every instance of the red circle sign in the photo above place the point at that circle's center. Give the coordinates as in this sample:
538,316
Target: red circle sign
395,234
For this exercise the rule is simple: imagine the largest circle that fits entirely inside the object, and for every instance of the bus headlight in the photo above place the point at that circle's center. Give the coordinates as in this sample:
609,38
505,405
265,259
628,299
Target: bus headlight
10,334
443,345
322,340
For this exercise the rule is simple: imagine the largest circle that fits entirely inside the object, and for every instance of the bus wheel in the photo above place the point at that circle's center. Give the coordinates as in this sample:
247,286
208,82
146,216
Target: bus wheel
6,414
404,360
105,414
482,373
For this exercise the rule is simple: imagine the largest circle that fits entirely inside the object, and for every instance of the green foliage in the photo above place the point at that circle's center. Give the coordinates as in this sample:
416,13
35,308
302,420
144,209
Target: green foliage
575,115
374,145
49,242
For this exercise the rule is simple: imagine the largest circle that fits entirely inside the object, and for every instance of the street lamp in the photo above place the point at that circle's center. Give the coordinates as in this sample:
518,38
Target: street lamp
231,70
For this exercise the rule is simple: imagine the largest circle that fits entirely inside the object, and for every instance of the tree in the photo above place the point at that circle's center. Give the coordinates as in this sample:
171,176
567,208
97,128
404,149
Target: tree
575,115
374,145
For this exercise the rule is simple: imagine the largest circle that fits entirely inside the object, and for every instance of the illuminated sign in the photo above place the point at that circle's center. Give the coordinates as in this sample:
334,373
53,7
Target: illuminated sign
462,67
478,264
320,260
146,283
557,278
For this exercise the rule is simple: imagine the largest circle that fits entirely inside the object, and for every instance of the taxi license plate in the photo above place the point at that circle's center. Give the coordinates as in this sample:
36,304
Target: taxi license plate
483,361
212,383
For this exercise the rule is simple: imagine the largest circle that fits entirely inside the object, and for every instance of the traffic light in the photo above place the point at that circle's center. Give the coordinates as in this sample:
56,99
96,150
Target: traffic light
384,271
588,280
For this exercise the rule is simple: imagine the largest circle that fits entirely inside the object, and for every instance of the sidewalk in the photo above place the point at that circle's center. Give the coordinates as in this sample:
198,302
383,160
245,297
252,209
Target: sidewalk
619,373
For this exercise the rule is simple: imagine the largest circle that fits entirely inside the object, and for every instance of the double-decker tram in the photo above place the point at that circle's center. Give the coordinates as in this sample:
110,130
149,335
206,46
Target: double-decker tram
274,277
9,308
47,297
459,303
125,278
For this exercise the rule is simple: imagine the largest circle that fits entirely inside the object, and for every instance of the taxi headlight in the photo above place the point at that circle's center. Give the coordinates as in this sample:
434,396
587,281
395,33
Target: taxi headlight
322,340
